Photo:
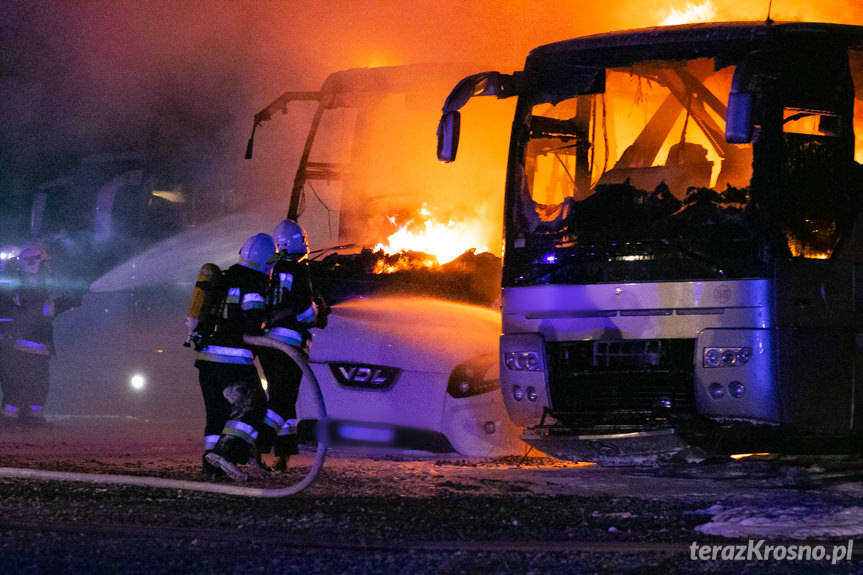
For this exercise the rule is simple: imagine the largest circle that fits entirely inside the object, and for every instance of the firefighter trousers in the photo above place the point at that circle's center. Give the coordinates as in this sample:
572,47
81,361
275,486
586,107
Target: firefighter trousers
235,406
25,380
283,388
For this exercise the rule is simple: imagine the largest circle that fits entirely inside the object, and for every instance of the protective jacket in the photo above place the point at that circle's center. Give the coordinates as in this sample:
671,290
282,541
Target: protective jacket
31,309
243,312
291,301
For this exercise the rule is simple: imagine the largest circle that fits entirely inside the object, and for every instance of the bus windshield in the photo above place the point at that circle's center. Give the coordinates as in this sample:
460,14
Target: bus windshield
635,183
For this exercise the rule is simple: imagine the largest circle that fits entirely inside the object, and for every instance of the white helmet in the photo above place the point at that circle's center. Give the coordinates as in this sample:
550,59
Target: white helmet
291,238
30,257
257,251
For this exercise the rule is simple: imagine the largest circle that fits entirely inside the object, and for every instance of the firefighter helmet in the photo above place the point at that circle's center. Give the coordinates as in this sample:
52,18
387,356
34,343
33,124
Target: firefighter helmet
291,238
257,251
30,257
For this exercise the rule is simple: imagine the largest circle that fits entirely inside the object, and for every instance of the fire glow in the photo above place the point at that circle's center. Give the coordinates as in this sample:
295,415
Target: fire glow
443,241
691,13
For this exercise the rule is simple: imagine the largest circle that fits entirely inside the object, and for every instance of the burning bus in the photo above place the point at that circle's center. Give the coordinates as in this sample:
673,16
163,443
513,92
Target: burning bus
682,239
382,216
415,373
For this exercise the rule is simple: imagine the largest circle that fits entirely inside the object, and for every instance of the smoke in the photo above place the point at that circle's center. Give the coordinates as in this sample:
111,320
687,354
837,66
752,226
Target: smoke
180,81
81,79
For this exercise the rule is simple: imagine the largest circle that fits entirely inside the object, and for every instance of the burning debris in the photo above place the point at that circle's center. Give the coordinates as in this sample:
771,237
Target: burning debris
443,241
471,278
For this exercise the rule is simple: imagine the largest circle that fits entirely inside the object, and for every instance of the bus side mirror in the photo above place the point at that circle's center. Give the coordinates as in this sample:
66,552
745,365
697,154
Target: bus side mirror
447,136
482,84
738,118
752,73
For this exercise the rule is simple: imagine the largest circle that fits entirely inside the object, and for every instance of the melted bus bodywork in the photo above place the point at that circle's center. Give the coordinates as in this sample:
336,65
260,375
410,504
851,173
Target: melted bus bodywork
683,240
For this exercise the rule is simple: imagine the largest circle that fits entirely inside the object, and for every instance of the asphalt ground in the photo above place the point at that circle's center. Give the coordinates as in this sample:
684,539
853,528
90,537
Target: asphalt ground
388,513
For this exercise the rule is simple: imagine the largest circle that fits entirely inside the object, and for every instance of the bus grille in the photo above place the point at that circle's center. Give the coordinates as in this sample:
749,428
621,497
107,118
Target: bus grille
651,377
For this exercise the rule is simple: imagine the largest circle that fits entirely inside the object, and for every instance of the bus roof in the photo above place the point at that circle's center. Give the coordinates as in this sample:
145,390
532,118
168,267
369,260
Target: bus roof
715,39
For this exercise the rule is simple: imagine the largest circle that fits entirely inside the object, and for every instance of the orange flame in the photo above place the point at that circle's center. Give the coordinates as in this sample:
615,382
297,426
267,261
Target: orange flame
443,241
691,13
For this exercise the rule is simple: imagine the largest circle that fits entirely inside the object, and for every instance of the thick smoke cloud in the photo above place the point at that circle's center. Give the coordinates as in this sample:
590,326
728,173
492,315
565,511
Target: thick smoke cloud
179,81
80,79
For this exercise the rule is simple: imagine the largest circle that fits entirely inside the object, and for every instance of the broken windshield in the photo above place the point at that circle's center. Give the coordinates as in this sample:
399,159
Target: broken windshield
636,183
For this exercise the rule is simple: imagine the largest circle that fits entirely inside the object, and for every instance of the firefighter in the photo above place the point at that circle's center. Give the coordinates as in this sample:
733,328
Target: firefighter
8,255
234,399
293,309
28,310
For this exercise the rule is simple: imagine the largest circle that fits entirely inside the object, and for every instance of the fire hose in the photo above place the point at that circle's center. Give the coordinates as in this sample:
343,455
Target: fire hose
224,489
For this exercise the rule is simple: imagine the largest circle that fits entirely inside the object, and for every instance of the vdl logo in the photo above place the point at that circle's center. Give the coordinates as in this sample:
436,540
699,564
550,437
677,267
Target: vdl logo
365,376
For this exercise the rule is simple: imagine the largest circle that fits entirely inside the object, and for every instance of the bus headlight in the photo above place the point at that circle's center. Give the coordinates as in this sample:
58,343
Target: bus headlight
726,356
471,378
517,393
712,357
521,360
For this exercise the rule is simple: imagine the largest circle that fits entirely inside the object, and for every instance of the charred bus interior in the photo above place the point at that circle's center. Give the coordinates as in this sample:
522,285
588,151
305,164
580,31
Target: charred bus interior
637,182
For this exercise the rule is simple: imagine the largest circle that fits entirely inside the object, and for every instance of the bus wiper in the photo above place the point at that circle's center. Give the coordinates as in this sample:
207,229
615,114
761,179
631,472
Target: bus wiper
683,250
318,253
548,271
678,248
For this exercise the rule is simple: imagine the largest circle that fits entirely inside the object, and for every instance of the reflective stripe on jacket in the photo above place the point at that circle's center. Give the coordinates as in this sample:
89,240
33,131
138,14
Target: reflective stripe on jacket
221,354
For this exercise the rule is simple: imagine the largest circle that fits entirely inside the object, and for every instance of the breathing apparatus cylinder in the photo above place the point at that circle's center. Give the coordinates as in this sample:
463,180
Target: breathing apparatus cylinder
205,298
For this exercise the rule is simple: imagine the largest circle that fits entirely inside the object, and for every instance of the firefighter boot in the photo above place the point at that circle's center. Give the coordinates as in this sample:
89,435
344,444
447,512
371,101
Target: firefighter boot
257,469
210,472
281,463
33,420
230,469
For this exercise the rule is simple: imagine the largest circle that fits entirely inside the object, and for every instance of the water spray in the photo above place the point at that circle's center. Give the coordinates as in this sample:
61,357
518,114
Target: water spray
223,489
